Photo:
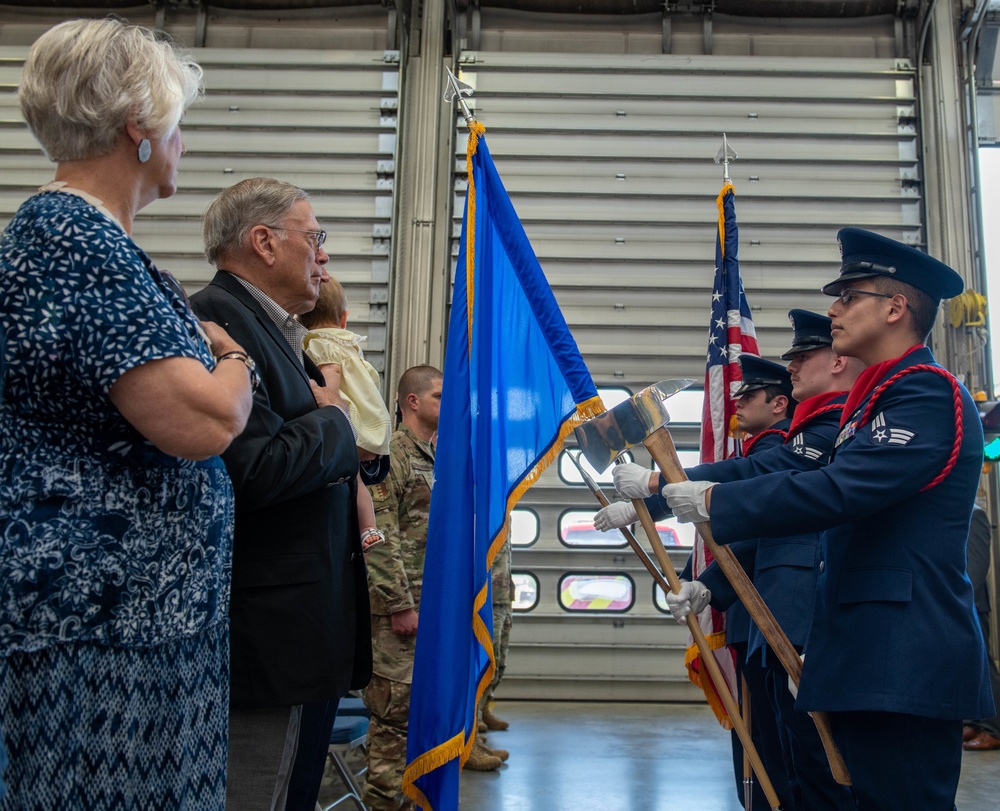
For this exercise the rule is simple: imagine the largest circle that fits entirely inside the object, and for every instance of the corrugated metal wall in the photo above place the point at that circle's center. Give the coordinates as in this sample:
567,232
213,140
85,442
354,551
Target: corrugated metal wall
325,120
609,161
610,164
606,146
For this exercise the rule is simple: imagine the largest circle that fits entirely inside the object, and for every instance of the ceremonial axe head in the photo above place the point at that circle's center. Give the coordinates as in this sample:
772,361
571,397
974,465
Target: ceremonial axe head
604,438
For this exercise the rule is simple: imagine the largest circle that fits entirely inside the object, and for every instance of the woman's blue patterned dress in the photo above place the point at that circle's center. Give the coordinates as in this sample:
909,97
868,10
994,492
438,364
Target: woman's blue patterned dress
114,558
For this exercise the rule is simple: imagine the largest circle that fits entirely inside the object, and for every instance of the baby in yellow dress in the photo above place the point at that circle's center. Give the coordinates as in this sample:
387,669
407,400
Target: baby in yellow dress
337,352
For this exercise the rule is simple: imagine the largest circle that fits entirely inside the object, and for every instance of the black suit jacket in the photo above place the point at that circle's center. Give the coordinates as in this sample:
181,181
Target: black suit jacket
299,613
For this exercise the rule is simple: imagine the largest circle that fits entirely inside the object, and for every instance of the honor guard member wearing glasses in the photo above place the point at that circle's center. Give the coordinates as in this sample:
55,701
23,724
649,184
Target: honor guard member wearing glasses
764,409
895,653
784,567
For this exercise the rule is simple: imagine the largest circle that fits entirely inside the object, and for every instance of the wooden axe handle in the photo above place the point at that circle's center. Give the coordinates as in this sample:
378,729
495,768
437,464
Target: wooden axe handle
707,655
644,558
661,447
673,584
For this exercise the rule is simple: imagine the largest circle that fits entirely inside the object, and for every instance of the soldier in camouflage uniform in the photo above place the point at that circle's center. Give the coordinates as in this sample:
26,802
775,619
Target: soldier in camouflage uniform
395,576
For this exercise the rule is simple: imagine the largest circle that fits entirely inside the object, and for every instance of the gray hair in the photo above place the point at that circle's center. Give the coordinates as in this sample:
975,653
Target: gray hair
84,80
254,201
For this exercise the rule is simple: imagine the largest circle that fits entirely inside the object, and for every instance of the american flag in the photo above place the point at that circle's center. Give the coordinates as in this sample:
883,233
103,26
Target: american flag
730,333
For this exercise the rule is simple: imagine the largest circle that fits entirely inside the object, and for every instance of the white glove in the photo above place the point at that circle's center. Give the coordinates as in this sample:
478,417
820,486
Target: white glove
687,501
793,688
632,481
691,599
614,516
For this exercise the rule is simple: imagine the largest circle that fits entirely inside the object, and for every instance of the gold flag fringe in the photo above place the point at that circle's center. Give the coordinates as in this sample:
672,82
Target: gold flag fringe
428,762
460,746
716,641
584,411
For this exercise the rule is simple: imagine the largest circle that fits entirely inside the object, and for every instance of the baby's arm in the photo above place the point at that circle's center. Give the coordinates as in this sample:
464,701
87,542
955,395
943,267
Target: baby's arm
331,374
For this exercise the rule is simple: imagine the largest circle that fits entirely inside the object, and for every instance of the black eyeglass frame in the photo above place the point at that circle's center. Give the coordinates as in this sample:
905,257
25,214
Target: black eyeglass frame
846,294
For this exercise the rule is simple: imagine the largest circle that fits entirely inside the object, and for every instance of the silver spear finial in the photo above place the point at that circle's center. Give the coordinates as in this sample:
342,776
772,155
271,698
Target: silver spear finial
454,89
725,154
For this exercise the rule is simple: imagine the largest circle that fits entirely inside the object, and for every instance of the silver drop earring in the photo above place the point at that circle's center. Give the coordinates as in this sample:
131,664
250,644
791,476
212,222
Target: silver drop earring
145,150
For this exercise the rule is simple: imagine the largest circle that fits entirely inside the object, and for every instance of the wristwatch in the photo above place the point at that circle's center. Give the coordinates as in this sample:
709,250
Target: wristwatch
247,361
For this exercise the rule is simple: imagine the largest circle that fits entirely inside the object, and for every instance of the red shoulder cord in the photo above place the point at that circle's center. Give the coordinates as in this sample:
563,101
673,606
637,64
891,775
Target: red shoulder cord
812,418
753,440
956,399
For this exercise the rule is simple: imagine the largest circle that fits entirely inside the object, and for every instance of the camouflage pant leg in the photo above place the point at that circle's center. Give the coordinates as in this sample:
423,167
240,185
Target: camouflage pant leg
501,642
503,597
389,702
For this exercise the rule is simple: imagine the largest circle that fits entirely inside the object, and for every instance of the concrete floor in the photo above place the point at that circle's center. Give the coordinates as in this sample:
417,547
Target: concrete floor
633,757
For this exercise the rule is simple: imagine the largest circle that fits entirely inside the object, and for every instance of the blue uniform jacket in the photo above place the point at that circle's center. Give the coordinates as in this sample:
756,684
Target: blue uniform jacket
894,628
784,568
739,628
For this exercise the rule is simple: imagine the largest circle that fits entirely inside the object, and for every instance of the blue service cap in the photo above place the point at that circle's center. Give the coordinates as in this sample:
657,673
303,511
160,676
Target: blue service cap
811,331
866,254
759,374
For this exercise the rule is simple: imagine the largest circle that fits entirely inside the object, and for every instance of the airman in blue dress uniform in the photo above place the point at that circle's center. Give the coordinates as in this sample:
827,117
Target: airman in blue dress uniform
895,653
785,569
773,380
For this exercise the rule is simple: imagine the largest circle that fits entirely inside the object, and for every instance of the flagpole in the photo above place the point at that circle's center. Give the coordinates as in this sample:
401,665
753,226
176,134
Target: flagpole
725,156
747,766
729,324
478,480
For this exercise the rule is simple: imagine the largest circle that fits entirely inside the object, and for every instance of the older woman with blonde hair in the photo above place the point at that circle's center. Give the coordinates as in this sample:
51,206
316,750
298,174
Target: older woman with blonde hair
116,513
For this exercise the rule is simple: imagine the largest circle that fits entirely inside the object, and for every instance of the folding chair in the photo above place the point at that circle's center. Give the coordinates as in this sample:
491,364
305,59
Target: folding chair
353,705
349,733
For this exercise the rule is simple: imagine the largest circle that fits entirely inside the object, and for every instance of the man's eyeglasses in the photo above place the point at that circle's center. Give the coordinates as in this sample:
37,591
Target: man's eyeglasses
848,294
319,237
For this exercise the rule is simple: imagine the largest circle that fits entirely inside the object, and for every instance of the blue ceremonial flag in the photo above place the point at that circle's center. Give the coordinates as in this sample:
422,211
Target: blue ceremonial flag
514,387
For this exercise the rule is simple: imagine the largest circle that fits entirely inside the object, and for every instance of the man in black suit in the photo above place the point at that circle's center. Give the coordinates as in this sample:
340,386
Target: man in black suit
299,615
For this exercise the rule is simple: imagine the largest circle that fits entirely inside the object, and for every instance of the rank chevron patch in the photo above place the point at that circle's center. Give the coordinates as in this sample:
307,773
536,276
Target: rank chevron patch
799,446
891,436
